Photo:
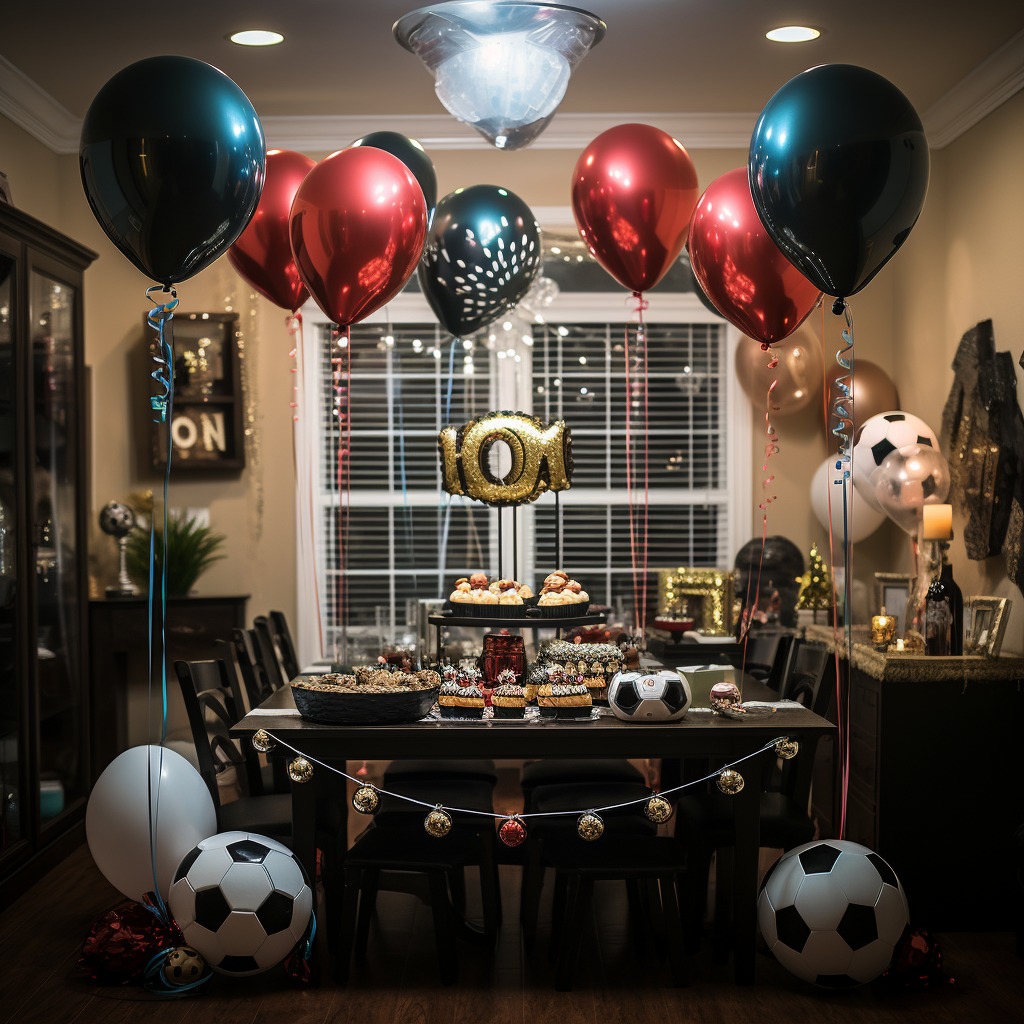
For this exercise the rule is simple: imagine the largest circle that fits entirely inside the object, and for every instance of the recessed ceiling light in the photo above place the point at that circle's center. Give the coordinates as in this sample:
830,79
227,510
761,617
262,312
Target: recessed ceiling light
792,34
256,37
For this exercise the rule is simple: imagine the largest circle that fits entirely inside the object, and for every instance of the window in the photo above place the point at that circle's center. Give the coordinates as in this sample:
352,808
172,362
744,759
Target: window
407,545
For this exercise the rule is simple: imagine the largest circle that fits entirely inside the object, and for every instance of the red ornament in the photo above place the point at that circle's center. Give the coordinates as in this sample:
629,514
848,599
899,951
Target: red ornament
512,831
262,254
740,269
357,228
633,193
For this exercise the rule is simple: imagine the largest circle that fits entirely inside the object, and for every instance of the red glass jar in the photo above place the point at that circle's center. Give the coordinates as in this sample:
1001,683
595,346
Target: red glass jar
503,651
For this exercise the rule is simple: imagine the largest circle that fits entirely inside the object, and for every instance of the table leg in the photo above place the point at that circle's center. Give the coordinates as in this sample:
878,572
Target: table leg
304,797
747,811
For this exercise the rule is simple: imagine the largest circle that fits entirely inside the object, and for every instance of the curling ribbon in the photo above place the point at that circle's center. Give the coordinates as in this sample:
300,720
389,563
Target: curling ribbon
160,319
842,428
638,527
341,359
303,434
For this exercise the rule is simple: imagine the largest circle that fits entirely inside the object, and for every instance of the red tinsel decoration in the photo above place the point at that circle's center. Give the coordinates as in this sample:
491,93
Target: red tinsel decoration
918,962
122,941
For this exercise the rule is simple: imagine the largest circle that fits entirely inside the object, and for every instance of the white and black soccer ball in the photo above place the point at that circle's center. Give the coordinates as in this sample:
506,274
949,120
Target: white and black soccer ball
879,437
832,913
242,900
649,696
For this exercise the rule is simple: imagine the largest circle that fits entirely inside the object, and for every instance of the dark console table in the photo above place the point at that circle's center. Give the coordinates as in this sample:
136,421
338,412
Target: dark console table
118,628
936,760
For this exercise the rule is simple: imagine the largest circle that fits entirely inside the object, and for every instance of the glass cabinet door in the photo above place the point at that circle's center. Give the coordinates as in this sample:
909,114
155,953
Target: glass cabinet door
55,481
11,739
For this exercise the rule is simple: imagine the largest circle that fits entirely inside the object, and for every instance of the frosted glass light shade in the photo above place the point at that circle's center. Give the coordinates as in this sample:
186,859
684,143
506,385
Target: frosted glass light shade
501,66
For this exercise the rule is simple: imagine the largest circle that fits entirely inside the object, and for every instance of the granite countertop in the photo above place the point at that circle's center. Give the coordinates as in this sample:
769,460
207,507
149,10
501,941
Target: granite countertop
917,667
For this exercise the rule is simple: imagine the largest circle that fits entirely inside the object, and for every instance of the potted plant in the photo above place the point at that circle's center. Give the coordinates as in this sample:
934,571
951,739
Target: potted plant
191,550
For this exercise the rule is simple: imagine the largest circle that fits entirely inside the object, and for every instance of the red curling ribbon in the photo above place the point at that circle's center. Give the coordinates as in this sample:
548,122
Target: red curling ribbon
341,361
637,388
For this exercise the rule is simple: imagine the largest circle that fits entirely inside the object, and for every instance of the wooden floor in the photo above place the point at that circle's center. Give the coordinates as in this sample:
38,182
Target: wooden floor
41,936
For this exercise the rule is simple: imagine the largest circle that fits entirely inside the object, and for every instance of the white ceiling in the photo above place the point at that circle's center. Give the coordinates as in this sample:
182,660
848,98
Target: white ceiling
669,56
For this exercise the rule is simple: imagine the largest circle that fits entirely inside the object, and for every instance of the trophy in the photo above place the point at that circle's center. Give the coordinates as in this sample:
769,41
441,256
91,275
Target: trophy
118,520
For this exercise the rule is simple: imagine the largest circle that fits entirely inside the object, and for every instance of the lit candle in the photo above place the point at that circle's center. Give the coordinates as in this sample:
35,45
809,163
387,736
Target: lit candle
899,645
938,522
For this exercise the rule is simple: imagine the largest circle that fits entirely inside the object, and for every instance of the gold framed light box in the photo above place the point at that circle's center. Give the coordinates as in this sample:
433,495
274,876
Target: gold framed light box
714,588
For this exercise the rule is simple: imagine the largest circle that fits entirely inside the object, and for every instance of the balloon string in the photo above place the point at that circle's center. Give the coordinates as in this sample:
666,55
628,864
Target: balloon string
629,482
641,337
341,358
303,432
160,319
638,523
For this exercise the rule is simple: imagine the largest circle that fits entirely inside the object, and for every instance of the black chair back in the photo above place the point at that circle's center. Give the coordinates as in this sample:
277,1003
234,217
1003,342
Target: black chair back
810,680
762,650
257,689
283,636
266,653
206,691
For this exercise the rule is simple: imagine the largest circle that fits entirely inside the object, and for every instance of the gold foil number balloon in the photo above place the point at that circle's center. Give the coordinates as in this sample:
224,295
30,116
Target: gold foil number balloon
541,458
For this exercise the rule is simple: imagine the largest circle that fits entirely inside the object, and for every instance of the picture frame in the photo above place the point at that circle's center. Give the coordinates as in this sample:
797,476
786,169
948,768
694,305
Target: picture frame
892,591
207,430
714,588
986,624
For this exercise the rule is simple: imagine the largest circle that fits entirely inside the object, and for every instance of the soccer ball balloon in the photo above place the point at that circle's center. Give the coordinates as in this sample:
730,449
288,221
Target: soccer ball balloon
649,696
241,900
878,437
832,912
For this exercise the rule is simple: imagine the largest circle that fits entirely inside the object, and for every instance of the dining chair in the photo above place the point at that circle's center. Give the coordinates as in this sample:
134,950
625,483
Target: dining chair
762,648
257,688
285,645
705,818
266,653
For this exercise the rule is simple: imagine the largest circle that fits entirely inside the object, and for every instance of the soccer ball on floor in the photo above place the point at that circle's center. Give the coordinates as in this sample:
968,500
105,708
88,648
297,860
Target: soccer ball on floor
242,900
648,696
832,913
877,438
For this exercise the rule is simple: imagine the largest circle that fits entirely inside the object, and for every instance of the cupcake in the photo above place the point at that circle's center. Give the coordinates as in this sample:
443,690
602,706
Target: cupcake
536,678
509,701
564,700
456,701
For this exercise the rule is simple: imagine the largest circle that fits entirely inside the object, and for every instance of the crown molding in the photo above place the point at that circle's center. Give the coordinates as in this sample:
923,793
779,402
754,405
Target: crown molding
991,83
35,110
441,131
977,94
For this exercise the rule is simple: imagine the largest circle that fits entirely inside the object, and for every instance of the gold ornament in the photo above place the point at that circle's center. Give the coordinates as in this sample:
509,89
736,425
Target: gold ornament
541,458
786,748
590,826
658,809
365,799
730,781
300,770
262,741
438,822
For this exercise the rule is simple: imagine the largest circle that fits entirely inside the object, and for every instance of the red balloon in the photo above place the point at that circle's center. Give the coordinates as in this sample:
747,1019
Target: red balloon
262,254
357,228
633,193
741,270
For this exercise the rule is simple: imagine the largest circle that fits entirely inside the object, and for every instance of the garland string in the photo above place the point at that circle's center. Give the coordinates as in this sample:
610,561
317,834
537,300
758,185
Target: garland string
770,745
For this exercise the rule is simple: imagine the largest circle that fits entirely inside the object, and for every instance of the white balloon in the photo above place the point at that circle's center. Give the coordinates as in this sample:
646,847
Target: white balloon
876,438
863,520
117,818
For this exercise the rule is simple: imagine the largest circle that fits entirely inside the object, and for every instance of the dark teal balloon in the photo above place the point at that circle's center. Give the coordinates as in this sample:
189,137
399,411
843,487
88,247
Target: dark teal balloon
414,156
481,257
838,173
173,160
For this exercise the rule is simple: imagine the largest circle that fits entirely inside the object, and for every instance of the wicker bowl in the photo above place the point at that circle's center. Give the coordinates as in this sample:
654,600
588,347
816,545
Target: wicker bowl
364,708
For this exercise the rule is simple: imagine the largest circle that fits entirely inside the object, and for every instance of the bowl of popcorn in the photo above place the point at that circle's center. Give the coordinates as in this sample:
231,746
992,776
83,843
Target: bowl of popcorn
475,595
561,597
369,696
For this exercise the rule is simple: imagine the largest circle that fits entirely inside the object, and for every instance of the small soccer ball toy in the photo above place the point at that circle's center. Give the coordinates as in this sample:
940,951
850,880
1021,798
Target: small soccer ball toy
183,966
649,696
242,901
117,519
832,913
877,438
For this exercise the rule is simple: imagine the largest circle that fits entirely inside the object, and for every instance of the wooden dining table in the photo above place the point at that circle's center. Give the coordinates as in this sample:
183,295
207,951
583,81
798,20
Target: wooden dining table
700,734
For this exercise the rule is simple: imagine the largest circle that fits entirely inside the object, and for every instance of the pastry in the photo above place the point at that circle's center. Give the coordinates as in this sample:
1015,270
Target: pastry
478,580
550,598
564,700
484,597
460,596
525,592
455,701
509,701
510,597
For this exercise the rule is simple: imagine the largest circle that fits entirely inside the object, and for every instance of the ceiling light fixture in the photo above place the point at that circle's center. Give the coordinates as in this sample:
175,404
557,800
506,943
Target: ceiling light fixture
501,66
793,34
256,37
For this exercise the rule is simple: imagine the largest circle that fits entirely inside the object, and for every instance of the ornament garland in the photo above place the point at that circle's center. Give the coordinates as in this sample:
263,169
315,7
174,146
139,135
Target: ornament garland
513,830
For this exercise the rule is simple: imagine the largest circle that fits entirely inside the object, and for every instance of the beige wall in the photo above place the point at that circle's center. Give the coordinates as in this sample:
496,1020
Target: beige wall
961,264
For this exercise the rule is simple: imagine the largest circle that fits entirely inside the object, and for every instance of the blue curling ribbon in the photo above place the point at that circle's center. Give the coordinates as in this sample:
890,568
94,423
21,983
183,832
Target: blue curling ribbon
842,409
160,318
